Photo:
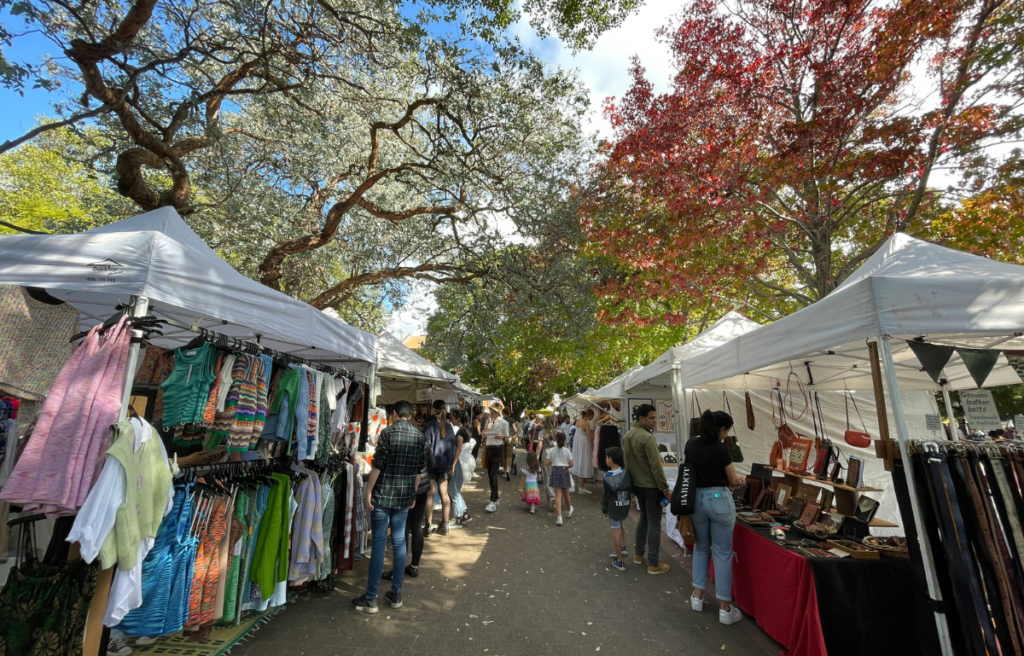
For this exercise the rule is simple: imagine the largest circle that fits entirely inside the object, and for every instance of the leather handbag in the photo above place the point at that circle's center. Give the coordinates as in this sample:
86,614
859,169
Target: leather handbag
750,412
861,440
695,421
685,526
684,494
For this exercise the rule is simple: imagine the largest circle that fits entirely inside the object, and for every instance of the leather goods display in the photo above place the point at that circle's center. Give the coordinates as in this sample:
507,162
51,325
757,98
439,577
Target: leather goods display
755,485
799,454
860,440
684,494
750,411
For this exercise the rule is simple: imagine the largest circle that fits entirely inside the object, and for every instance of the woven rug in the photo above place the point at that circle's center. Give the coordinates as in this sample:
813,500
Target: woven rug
222,639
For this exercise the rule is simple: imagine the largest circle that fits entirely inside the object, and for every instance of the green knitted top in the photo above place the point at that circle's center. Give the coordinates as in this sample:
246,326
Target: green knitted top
270,560
147,484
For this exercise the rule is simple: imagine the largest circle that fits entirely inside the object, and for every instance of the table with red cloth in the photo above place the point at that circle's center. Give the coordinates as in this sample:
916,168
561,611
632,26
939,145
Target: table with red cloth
824,606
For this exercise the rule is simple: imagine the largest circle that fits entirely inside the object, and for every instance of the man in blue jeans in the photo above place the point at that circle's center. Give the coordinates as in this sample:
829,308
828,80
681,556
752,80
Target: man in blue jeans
390,493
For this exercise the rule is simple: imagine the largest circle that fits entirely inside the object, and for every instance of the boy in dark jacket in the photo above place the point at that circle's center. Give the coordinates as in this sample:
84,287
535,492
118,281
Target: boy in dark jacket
616,500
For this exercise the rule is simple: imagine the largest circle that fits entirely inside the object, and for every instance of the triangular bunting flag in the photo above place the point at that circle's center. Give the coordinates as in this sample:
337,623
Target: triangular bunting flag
979,362
1016,360
932,357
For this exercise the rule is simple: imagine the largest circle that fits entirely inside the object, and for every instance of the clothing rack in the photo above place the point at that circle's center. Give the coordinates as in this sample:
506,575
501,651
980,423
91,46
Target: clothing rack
240,467
254,348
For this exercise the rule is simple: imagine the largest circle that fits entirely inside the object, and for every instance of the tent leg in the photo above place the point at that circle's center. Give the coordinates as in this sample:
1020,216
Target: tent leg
903,439
953,432
139,308
678,406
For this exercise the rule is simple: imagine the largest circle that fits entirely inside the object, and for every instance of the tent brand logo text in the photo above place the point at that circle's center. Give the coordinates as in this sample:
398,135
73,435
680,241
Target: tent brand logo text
104,271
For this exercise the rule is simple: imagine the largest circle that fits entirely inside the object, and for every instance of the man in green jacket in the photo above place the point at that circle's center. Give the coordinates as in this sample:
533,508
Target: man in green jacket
643,462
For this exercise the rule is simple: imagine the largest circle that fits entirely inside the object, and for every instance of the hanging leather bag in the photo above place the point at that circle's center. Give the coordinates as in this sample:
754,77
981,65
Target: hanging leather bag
732,441
861,440
694,420
750,412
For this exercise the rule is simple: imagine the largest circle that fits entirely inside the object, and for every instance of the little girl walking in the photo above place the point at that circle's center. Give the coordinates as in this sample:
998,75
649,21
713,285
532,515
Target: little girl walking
560,460
529,492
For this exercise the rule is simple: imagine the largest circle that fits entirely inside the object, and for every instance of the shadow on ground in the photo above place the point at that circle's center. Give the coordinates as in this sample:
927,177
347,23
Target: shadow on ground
514,584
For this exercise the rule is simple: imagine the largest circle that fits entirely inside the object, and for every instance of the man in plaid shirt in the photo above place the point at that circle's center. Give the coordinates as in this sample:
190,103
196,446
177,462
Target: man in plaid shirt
398,460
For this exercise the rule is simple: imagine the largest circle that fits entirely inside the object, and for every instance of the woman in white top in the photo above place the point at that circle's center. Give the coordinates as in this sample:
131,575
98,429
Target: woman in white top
582,450
560,460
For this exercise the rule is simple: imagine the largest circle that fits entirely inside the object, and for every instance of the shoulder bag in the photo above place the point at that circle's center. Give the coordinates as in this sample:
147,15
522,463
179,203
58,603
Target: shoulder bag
853,438
684,494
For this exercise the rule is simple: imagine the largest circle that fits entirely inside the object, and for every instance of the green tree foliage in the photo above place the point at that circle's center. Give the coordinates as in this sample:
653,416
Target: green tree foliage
58,184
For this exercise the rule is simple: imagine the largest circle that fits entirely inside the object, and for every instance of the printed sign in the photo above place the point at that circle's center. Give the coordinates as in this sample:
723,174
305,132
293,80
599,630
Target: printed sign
980,408
1018,423
933,422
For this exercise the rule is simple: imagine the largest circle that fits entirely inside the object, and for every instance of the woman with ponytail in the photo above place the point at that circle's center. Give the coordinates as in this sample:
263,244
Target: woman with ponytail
714,517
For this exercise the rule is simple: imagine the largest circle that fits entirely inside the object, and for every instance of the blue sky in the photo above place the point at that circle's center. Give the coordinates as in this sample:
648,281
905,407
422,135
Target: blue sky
604,69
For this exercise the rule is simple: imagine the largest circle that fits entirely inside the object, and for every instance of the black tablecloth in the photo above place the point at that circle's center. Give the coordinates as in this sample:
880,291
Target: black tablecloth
865,606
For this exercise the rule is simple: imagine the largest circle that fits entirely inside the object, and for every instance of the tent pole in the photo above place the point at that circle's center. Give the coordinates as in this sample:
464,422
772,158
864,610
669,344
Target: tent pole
678,406
903,439
371,383
954,434
139,308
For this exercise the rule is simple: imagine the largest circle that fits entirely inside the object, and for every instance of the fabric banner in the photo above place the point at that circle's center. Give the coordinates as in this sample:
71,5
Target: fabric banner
1016,360
979,362
932,357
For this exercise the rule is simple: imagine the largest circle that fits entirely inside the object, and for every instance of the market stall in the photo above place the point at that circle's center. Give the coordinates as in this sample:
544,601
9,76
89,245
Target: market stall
402,373
275,381
924,318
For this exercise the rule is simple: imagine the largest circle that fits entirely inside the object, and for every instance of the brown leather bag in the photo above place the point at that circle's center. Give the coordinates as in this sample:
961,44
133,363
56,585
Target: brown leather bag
685,526
750,412
786,436
860,440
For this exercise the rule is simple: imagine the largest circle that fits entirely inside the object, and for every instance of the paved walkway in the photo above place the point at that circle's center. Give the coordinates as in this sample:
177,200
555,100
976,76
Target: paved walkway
514,584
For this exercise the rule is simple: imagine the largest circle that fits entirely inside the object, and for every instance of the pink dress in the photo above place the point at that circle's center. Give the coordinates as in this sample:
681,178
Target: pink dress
64,455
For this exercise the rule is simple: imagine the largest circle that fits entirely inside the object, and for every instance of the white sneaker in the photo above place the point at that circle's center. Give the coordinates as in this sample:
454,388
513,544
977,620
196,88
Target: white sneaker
731,617
497,504
569,514
491,507
558,521
118,647
697,604
533,510
583,491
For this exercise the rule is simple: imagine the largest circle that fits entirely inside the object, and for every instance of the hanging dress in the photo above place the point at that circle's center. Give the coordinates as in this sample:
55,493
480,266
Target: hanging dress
64,456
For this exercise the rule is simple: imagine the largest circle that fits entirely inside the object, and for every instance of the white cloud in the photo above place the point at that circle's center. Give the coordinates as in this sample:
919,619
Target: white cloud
605,68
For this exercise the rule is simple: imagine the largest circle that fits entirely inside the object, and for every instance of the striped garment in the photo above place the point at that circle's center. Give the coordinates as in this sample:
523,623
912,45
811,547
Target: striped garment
210,411
223,420
206,575
266,364
307,532
245,406
187,389
311,423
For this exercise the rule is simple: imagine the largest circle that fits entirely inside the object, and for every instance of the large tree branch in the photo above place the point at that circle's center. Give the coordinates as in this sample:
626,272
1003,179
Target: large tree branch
438,273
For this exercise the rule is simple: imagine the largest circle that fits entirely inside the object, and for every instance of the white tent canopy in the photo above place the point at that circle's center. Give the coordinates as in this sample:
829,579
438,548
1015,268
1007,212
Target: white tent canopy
155,255
658,374
611,391
401,371
909,289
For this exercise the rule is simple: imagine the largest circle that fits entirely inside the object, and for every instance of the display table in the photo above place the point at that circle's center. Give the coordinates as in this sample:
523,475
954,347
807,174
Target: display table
824,606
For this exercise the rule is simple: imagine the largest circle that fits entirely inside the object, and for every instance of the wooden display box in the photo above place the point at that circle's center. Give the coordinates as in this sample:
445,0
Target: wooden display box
845,498
864,554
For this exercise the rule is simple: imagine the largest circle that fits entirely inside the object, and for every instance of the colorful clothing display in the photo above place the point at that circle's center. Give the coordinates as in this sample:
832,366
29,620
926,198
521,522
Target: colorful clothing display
187,389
